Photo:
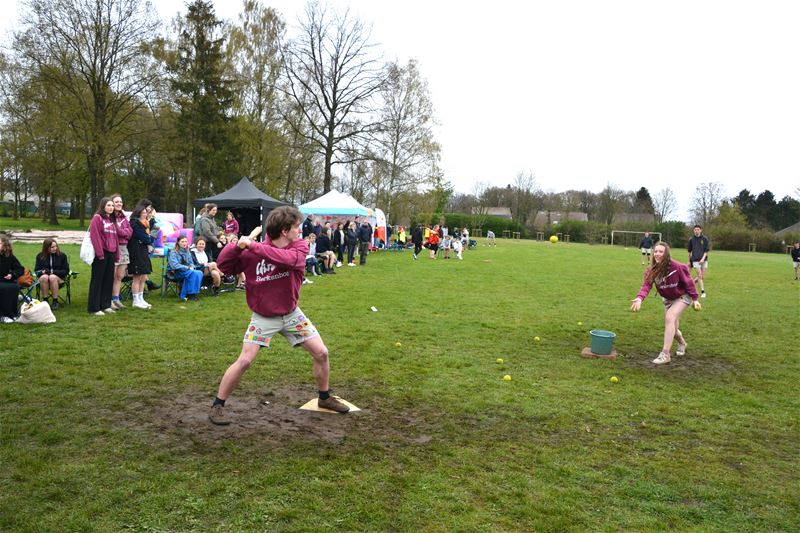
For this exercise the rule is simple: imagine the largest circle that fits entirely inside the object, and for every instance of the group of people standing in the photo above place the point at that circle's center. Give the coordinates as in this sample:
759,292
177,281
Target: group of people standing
436,238
329,243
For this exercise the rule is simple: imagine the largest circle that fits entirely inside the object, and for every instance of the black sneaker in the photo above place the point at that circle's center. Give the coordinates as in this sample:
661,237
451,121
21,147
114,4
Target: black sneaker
153,286
333,404
55,305
193,298
218,415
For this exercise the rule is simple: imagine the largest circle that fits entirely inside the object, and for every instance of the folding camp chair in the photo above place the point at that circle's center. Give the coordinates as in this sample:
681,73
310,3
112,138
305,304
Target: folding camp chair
66,284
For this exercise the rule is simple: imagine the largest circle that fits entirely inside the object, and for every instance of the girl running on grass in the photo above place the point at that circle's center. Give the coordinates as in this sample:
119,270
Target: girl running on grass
677,290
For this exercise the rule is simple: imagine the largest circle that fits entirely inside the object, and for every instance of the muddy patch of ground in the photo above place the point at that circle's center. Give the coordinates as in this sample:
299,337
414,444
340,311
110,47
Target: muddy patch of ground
274,415
681,363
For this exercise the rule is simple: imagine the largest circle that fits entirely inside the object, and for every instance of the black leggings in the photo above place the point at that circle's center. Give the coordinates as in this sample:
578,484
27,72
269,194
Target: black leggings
417,248
351,251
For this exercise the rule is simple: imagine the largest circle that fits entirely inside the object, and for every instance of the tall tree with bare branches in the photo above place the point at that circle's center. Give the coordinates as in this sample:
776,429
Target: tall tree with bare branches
94,52
332,74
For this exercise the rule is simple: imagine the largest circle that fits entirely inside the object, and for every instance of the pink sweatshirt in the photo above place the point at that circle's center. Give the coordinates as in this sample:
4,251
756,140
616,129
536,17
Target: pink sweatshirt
124,229
103,233
273,275
677,283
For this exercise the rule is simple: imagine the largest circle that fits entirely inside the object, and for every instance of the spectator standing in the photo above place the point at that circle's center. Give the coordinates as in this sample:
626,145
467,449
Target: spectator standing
124,233
231,225
209,229
103,233
339,243
698,247
364,240
352,242
139,248
796,259
10,270
308,226
52,268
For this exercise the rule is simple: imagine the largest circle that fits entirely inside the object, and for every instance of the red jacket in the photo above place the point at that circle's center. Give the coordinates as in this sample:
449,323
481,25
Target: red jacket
677,283
273,275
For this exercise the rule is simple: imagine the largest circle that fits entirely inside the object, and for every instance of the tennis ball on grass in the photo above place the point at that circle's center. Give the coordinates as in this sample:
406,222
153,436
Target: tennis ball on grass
614,379
580,323
500,360
507,377
537,339
398,344
553,239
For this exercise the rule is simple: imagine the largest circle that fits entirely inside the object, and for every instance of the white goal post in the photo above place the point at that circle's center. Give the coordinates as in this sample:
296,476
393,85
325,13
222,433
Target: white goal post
653,233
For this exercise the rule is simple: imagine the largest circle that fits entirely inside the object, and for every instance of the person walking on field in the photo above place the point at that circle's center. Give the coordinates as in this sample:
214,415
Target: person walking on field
646,246
698,256
274,276
796,259
677,290
417,238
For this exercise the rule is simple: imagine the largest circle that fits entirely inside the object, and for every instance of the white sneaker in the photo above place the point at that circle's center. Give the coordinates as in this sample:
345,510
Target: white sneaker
703,295
147,305
307,281
338,264
681,350
351,264
99,313
140,305
7,320
661,359
315,273
109,311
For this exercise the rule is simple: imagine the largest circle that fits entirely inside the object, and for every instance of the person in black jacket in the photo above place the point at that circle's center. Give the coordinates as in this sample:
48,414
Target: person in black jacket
10,270
796,259
351,239
339,243
308,226
698,256
325,253
364,240
52,269
416,238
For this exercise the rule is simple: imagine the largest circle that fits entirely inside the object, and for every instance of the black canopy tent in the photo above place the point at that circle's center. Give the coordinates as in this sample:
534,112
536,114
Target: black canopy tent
249,205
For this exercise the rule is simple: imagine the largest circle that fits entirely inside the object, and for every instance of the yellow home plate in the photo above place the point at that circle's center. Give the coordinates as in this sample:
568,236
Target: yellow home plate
311,405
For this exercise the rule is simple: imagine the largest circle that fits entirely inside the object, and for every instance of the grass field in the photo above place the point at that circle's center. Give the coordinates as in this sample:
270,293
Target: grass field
103,422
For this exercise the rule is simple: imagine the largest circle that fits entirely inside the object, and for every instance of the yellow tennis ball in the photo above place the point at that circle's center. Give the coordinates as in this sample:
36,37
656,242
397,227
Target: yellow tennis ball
580,323
614,379
398,344
500,360
507,378
553,239
537,339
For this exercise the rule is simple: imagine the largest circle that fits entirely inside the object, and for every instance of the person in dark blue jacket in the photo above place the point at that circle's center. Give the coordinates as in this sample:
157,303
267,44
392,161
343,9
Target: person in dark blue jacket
52,269
364,240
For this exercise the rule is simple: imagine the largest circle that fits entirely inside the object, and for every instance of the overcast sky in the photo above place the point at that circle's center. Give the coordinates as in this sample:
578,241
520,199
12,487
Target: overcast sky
583,93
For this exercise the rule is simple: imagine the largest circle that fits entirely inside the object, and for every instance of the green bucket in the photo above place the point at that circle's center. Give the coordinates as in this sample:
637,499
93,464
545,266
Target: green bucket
602,341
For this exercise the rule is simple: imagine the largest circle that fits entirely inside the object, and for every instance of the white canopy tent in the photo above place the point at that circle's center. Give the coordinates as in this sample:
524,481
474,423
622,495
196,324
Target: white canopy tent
336,206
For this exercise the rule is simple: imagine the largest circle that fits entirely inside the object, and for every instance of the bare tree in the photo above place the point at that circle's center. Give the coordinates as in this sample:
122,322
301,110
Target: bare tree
94,51
332,74
706,201
404,144
665,203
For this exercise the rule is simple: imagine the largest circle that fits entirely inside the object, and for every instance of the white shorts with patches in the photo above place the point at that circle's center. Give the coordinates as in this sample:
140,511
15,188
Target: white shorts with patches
295,326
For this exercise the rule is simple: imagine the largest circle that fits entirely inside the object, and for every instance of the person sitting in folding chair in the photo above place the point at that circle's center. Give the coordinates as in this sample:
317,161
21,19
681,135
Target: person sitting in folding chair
185,270
10,270
52,269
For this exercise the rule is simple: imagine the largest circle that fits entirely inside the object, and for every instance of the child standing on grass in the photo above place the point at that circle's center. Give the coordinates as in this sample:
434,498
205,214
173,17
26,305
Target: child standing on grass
274,275
674,284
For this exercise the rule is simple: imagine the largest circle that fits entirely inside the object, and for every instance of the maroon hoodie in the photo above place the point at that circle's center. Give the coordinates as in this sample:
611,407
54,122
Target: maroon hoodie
103,233
273,275
677,283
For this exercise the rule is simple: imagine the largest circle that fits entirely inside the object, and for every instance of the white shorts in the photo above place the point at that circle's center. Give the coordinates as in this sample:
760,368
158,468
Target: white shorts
647,251
796,264
124,256
295,326
685,298
700,265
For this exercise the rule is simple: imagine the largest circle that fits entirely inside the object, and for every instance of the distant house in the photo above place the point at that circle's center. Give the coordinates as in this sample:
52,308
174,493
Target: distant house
793,229
501,212
546,218
644,218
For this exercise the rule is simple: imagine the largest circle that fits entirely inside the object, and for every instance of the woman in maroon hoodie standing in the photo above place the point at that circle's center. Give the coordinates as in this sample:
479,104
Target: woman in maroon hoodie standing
124,232
103,232
674,283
